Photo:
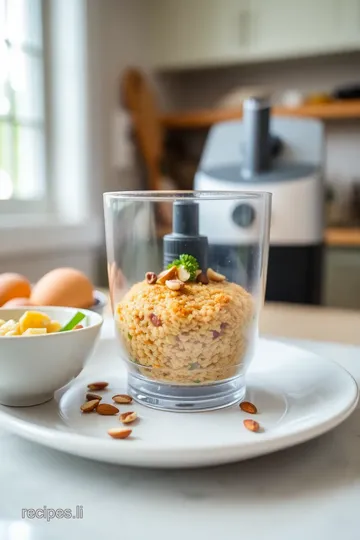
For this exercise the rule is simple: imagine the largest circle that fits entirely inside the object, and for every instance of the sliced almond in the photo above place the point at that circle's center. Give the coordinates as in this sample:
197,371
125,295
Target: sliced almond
106,409
119,433
248,407
214,276
251,425
170,273
128,417
90,406
90,396
183,274
97,386
174,284
122,398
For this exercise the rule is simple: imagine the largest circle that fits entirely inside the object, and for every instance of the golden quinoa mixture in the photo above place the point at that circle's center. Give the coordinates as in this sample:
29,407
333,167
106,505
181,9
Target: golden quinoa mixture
197,335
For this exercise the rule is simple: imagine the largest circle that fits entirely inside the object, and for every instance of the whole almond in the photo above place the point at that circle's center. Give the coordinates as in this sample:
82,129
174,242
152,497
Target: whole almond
214,276
251,425
151,277
170,273
248,407
202,278
174,284
183,274
97,386
122,398
90,406
106,409
90,396
128,417
119,433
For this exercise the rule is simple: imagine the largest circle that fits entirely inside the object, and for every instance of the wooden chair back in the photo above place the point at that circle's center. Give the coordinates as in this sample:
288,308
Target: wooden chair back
138,98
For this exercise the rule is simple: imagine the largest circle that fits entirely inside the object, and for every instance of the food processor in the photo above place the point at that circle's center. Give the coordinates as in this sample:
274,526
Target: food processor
186,328
283,156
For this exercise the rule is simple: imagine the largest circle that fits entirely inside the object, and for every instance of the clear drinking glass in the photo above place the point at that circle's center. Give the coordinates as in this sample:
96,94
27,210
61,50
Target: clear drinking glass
186,298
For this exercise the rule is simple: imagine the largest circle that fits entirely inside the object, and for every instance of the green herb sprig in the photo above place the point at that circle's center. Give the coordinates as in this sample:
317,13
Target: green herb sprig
188,262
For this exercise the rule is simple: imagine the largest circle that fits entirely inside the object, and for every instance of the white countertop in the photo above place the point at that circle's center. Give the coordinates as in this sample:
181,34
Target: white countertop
311,491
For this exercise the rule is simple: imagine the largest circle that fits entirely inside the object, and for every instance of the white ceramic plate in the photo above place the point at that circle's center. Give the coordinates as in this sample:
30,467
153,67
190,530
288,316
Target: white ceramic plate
299,396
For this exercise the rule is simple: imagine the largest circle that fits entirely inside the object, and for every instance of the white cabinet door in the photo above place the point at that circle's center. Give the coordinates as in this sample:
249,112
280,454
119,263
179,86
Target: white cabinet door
186,33
347,15
196,33
183,32
286,28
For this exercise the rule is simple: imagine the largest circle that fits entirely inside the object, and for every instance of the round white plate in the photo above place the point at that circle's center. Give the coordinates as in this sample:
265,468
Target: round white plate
299,396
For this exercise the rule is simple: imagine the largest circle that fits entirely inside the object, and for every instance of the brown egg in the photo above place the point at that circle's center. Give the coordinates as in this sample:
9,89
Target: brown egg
13,286
63,287
18,302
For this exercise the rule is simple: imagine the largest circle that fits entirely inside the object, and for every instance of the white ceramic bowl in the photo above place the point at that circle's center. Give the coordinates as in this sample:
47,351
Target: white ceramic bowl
32,368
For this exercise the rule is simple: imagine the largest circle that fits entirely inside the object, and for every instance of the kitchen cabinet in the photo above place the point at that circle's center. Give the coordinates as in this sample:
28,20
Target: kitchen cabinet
342,278
191,33
347,16
288,27
199,33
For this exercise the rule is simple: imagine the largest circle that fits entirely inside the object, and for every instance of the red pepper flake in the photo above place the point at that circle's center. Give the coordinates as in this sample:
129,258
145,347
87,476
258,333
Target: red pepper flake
155,320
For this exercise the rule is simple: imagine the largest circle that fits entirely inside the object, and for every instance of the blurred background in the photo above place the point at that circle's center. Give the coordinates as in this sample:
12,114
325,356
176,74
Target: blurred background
105,95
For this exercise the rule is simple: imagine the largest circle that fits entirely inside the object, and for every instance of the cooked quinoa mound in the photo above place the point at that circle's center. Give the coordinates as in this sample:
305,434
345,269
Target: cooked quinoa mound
197,335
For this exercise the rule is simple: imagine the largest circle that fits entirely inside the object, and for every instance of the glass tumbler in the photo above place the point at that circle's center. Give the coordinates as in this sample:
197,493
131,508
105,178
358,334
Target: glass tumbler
187,276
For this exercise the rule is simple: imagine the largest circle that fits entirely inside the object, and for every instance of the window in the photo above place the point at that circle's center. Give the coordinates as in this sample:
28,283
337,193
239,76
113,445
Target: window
22,105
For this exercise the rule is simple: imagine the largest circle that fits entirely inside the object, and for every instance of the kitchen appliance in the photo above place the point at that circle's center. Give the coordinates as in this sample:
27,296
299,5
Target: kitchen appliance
187,337
283,156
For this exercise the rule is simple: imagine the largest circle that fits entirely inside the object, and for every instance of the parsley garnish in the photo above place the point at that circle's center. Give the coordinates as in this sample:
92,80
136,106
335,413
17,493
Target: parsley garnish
188,262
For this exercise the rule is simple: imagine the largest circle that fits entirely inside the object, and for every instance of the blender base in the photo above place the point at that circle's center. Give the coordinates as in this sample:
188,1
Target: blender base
181,398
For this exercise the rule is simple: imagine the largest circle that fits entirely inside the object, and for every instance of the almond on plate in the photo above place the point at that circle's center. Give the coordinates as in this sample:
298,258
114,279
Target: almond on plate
122,398
90,405
248,407
119,433
128,417
251,425
106,409
97,386
90,396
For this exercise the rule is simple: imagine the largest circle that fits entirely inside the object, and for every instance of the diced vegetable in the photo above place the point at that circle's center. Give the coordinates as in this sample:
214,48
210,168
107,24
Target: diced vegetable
35,331
33,319
77,318
54,326
10,326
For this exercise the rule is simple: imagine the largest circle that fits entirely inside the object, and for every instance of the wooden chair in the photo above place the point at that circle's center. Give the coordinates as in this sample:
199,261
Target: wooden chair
138,98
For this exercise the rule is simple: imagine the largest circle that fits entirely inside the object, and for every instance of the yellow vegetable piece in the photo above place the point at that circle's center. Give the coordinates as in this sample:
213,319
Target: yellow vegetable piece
33,319
2,322
54,326
35,332
9,326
